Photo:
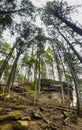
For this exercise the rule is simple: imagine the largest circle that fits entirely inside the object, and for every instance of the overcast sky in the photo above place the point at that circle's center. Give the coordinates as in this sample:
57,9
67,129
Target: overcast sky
43,2
40,3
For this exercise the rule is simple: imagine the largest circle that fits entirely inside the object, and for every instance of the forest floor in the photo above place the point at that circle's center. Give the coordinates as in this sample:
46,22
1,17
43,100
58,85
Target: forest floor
20,113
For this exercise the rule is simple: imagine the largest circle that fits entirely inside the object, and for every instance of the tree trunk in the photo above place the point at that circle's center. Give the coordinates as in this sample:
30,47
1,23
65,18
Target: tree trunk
69,24
75,82
53,70
2,68
39,76
66,78
11,77
73,49
59,73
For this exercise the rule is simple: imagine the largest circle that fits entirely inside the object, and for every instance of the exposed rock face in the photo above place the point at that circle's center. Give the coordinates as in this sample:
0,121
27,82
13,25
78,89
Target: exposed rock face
52,85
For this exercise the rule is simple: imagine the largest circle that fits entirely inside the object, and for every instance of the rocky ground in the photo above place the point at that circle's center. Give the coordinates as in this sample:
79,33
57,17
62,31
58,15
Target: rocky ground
44,113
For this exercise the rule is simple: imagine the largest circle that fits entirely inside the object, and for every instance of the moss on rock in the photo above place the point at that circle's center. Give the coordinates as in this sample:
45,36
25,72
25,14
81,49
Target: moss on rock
1,110
11,116
6,126
20,125
19,107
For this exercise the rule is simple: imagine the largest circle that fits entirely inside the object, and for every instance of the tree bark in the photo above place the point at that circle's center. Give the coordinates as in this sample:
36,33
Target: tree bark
66,78
68,23
75,82
2,68
73,49
11,77
59,74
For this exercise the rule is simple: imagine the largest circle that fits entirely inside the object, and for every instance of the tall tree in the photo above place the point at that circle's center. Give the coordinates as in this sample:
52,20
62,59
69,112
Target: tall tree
59,69
71,60
71,46
40,49
11,77
5,62
60,10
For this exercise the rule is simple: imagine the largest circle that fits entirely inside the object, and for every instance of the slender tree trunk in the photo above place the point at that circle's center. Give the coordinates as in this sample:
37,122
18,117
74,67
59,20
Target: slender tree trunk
76,88
29,73
53,70
2,68
76,41
42,69
69,24
75,82
76,53
74,78
39,76
11,77
59,73
67,81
